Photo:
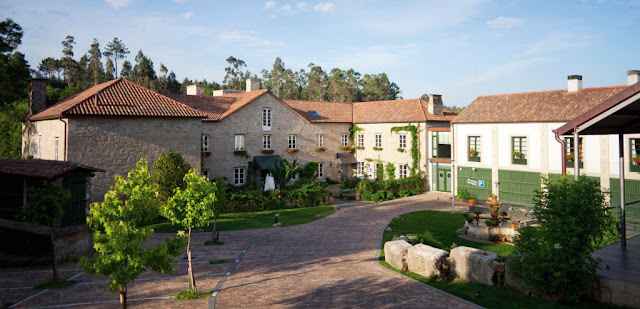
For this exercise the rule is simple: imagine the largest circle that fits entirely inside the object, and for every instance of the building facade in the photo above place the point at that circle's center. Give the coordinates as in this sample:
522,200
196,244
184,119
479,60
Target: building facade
503,143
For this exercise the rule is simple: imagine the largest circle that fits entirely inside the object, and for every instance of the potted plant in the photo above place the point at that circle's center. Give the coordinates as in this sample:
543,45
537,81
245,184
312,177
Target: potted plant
357,195
293,150
518,155
400,149
345,148
472,152
636,160
570,157
502,214
345,194
472,201
240,152
320,149
267,151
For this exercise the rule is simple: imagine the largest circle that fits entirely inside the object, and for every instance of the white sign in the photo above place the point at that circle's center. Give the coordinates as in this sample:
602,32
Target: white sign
481,183
369,169
472,182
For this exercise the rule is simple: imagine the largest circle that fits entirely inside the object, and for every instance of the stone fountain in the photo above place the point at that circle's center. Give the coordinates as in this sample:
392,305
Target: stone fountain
494,205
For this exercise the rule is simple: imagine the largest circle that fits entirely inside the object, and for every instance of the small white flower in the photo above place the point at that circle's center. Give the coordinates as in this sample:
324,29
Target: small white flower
557,246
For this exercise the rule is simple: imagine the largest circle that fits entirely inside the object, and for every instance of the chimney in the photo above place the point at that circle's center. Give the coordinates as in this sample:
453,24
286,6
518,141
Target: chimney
37,95
435,105
632,77
574,83
253,84
195,89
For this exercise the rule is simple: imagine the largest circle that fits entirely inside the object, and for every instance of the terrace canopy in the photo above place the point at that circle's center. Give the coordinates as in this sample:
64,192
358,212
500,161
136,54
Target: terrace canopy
618,115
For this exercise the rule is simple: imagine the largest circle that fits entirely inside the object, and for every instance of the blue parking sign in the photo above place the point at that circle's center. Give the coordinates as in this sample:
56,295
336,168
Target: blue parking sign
481,183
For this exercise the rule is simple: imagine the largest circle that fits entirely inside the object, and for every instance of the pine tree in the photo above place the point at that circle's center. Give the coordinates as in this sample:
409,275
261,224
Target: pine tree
95,64
116,50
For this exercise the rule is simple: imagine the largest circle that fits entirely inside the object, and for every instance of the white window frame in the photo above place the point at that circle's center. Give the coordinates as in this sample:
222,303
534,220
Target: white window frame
360,169
403,171
267,115
378,138
360,140
402,140
320,140
205,143
56,149
344,140
239,142
238,176
40,146
320,170
292,141
266,142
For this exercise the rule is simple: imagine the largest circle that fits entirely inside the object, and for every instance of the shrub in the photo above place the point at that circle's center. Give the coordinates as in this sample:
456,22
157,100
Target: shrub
463,194
391,171
169,170
555,258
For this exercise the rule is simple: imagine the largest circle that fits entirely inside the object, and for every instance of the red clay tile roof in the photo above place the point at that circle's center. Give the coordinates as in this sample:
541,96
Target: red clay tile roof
218,107
326,111
40,168
541,106
408,110
118,97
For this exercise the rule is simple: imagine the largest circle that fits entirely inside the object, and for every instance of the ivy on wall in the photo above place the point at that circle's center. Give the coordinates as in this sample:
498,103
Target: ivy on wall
415,153
352,133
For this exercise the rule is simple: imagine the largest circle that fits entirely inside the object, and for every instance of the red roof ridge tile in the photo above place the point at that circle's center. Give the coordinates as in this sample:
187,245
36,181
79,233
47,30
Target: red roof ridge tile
554,90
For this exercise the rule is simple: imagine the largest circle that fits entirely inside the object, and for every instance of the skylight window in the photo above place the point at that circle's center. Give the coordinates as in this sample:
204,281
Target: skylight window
314,114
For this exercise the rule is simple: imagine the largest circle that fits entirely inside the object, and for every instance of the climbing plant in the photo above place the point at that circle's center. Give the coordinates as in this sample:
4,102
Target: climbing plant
352,133
415,153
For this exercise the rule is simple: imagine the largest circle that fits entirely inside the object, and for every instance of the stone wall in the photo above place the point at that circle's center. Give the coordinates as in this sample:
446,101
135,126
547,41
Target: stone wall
247,121
115,144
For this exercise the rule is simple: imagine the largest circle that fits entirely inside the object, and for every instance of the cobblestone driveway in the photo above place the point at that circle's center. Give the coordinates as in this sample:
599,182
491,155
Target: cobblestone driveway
327,263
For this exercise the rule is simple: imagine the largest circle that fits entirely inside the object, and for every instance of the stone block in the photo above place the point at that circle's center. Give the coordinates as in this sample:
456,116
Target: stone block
395,253
473,264
426,261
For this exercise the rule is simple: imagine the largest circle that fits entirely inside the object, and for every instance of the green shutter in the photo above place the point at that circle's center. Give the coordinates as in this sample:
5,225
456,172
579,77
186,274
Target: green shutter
467,173
518,188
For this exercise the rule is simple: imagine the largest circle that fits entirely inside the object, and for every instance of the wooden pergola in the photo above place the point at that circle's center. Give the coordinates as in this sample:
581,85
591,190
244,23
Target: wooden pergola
619,115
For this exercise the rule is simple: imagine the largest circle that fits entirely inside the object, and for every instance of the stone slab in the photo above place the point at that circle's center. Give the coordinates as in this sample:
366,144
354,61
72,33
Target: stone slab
426,260
473,264
395,253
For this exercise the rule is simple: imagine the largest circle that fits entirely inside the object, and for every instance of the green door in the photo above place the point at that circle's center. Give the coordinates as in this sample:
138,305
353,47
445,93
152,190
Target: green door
443,182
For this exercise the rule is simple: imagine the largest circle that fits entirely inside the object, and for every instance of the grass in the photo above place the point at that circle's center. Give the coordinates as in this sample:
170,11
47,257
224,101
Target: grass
439,230
221,261
55,284
255,220
189,295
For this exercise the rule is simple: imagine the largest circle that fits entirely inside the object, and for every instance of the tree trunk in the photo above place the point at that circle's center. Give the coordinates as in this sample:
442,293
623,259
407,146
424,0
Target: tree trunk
123,296
56,277
214,233
192,279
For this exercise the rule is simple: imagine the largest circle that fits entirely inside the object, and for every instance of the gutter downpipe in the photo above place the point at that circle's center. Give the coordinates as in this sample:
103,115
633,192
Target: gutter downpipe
562,152
66,136
576,156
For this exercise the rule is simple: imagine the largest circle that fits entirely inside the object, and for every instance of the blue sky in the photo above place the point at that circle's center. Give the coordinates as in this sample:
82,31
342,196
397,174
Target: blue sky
460,49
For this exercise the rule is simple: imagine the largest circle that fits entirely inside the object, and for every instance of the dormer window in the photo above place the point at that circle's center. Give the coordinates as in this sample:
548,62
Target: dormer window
266,119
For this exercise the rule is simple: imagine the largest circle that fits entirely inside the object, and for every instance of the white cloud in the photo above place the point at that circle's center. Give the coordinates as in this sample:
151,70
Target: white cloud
248,38
188,15
116,4
301,6
505,22
325,7
269,4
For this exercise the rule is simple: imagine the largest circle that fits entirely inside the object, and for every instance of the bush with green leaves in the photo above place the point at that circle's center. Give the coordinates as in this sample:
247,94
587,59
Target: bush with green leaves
169,170
390,169
378,190
119,234
283,171
555,258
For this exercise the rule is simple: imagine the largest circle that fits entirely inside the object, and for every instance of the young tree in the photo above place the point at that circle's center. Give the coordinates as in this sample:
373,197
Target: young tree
119,235
169,171
192,208
45,206
283,171
221,200
116,50
555,258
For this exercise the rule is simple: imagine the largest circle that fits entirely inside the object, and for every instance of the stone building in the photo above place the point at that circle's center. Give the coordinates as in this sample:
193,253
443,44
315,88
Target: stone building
111,126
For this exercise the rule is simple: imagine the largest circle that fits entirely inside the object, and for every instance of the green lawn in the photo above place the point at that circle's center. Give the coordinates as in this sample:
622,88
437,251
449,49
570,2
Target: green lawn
255,220
439,229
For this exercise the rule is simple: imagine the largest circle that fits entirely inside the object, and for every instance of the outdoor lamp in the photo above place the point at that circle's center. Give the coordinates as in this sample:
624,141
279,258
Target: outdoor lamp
276,216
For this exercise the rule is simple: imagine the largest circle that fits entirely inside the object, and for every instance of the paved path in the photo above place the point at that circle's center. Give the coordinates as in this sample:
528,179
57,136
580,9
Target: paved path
331,263
327,263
